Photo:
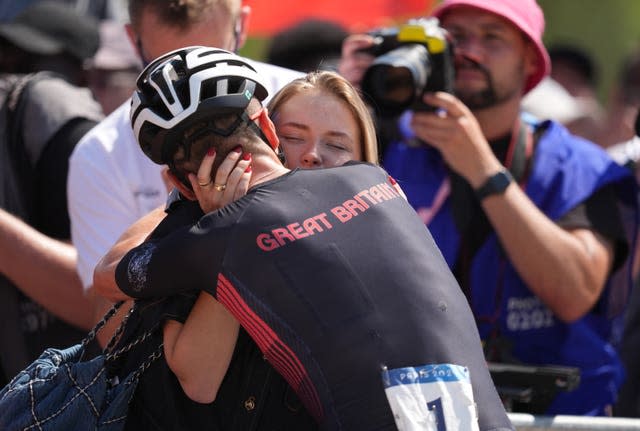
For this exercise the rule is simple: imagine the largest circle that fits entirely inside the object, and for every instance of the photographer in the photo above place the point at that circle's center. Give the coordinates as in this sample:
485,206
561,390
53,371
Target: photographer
529,217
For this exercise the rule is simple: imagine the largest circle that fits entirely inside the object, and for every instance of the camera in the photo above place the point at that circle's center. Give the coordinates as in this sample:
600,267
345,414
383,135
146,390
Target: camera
411,60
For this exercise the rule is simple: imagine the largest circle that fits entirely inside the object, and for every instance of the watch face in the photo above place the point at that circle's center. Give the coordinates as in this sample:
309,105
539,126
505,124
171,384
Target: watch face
496,184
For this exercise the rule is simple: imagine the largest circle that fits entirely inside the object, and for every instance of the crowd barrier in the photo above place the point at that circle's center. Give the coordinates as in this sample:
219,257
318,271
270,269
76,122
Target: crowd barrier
527,422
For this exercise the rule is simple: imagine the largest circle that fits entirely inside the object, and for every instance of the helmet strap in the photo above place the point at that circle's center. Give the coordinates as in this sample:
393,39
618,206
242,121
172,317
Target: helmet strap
258,131
265,124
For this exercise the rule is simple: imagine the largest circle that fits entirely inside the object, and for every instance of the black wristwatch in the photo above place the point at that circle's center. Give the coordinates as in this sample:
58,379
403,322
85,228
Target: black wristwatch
495,184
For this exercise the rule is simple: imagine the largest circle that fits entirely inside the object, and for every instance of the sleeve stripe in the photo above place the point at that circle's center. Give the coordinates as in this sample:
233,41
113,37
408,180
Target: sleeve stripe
274,349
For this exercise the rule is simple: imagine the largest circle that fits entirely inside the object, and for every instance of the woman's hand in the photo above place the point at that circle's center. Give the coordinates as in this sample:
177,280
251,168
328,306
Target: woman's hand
231,181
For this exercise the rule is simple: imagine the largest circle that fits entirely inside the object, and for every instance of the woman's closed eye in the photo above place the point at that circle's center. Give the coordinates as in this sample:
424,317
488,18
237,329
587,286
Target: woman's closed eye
292,139
337,146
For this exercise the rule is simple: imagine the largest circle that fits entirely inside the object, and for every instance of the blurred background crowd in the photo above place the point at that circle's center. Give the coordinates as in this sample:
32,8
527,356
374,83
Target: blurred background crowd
601,37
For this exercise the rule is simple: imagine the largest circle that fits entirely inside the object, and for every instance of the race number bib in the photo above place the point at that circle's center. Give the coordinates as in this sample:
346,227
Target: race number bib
431,397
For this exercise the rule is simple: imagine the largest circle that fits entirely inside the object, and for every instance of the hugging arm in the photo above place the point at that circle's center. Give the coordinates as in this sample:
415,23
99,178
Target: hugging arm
187,258
200,350
104,281
232,172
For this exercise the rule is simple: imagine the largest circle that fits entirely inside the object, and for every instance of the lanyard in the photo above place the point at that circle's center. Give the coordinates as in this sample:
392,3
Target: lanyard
519,152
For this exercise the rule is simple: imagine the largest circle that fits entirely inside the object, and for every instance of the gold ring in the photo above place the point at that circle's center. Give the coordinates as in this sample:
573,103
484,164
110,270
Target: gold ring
219,187
204,184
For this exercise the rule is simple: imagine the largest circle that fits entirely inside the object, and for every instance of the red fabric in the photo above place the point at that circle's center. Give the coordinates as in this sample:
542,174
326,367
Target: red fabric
277,352
269,16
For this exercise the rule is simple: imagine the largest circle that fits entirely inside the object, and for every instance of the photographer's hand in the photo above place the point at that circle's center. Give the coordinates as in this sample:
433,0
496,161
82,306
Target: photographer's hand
456,133
353,62
565,268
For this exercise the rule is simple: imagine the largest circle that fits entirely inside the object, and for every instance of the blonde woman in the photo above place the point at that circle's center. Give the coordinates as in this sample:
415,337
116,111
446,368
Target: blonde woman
321,122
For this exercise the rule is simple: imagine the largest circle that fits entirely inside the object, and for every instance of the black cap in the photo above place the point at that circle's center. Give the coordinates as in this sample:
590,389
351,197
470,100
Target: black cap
307,45
51,27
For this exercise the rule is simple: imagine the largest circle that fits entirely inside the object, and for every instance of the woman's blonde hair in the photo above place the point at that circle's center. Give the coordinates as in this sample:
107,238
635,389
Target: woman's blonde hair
336,85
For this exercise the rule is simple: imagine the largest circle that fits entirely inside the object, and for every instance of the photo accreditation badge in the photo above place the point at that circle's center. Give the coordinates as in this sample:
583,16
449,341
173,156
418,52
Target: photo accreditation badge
431,397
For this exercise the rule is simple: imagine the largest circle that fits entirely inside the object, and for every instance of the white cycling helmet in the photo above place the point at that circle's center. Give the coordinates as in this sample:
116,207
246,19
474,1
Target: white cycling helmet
185,86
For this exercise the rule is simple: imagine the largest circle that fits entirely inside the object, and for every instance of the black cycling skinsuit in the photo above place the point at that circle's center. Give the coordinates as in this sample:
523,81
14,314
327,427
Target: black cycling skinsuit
334,276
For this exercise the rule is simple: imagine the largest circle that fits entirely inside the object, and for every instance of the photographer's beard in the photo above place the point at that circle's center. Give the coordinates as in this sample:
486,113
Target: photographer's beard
488,97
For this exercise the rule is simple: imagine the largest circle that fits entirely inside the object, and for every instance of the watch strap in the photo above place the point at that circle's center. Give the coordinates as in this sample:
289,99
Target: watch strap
495,184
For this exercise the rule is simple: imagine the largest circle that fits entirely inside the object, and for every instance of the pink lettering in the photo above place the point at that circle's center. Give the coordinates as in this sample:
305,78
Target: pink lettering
376,194
365,193
341,214
323,218
266,242
297,231
311,225
361,201
281,234
388,190
353,207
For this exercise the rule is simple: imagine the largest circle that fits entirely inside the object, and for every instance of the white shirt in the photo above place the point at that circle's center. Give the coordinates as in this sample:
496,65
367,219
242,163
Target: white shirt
625,152
112,184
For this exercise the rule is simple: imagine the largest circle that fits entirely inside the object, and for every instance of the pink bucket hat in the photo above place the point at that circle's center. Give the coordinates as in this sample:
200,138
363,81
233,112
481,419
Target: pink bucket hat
526,15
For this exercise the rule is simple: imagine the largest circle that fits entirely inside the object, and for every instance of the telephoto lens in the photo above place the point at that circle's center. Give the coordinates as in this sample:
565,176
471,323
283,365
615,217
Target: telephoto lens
411,60
395,79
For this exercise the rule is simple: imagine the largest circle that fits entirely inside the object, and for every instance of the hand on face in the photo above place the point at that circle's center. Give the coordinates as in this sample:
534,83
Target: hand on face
230,184
456,133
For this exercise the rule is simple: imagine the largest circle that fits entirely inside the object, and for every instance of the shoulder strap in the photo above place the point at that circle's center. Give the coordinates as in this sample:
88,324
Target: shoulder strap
118,348
523,149
108,315
528,136
21,174
519,163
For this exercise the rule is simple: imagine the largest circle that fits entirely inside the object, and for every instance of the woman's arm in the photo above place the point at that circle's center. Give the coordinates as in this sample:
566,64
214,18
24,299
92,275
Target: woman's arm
199,352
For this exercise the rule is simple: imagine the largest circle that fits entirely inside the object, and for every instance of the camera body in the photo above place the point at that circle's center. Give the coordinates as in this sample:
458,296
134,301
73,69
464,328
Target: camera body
412,59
